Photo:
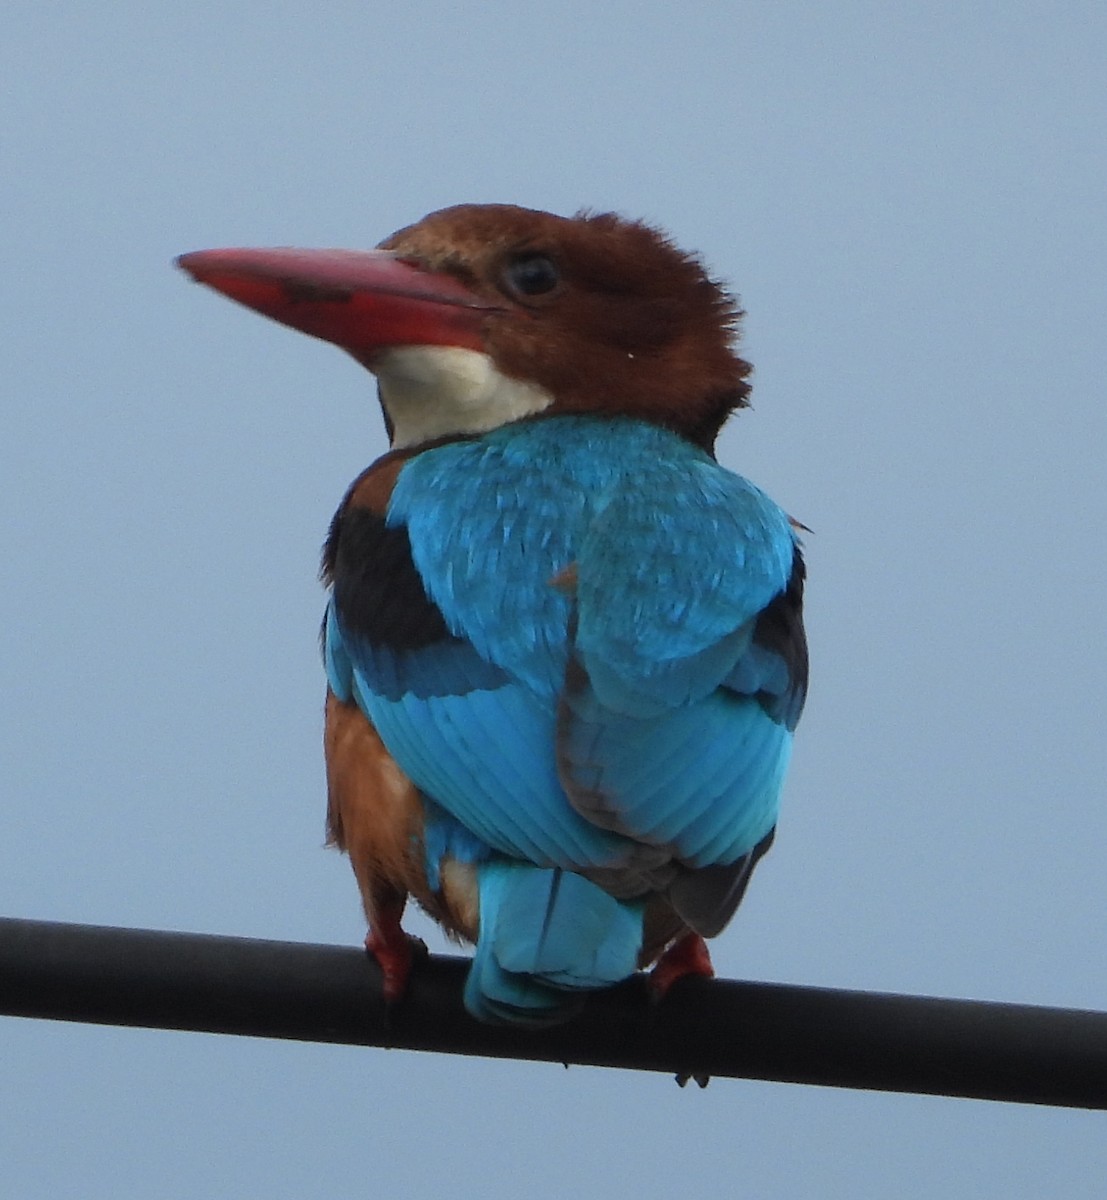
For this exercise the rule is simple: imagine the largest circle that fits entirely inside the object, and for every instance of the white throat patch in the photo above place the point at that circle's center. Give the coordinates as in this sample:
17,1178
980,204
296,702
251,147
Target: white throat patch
434,391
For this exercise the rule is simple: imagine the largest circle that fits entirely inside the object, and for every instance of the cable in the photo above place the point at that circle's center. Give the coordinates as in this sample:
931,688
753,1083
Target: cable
702,1028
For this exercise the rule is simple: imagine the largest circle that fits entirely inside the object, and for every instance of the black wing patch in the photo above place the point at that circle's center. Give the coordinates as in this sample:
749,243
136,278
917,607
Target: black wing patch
377,590
774,669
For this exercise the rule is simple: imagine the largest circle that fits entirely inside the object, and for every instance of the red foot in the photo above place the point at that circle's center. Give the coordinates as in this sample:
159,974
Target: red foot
394,951
686,956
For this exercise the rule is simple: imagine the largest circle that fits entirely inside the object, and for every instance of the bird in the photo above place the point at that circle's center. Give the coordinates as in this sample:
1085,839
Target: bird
564,646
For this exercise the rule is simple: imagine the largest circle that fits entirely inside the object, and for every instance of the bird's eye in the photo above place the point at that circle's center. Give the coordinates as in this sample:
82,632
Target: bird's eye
531,275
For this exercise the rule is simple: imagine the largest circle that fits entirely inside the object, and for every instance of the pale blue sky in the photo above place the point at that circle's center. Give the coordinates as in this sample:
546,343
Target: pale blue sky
909,198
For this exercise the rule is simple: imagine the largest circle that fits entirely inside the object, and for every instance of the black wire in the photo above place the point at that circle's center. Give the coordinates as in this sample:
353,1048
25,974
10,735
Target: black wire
722,1028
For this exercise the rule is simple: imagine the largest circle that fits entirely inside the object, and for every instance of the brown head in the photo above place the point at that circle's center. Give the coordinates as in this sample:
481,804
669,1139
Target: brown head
481,314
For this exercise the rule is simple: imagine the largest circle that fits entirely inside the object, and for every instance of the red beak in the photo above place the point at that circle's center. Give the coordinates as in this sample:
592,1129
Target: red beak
361,300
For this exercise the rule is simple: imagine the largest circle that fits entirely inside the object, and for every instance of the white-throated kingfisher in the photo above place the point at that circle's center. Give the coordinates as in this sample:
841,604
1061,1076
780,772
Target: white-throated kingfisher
564,647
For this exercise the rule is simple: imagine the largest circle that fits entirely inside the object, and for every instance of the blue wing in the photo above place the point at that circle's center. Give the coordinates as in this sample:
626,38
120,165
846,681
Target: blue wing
688,674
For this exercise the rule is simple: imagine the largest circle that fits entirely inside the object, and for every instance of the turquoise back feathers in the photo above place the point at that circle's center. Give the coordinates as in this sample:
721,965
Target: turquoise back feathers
594,679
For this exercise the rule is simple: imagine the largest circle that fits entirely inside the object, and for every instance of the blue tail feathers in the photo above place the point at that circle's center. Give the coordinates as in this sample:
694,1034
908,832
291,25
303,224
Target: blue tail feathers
546,937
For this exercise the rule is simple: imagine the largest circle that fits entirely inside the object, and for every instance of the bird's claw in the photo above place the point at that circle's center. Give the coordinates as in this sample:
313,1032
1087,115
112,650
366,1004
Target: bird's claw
395,953
688,955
